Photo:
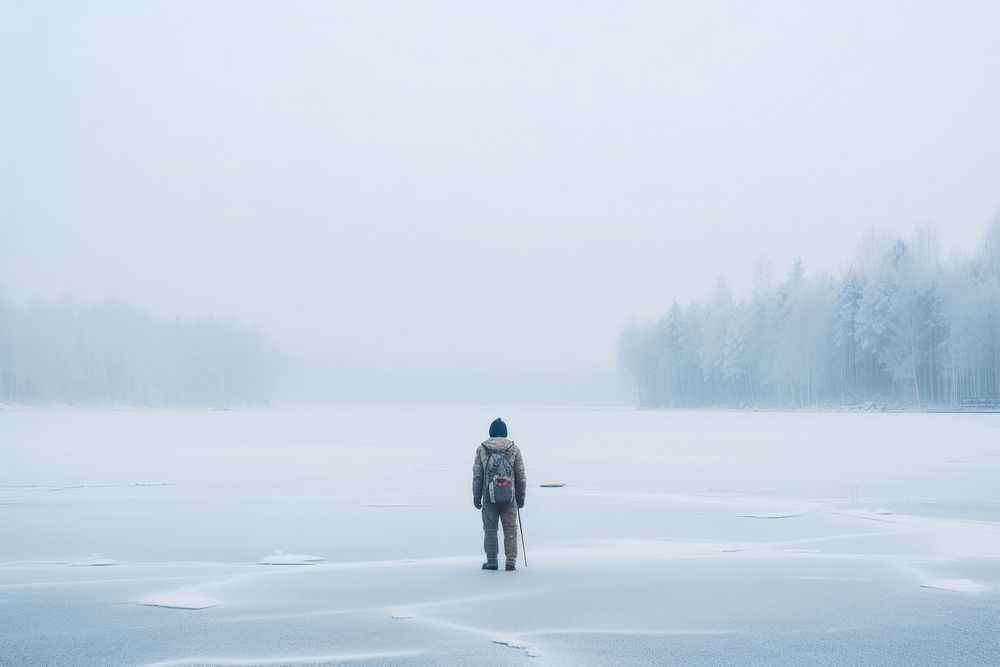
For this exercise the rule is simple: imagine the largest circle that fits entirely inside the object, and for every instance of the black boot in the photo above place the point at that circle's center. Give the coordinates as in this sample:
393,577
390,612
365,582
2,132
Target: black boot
490,566
510,567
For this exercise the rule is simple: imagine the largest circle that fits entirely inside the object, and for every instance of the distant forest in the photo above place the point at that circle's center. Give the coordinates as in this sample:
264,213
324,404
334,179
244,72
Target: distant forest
115,353
899,328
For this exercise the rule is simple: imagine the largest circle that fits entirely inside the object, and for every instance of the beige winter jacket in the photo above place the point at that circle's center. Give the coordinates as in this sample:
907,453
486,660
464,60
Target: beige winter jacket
479,466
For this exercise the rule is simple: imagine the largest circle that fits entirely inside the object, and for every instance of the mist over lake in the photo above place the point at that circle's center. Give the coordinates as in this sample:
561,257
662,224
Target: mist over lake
448,333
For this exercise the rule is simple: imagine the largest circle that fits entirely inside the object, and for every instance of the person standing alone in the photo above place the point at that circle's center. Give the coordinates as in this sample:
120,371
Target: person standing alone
498,486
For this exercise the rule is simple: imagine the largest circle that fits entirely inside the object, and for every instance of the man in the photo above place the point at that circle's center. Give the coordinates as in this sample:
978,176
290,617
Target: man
498,464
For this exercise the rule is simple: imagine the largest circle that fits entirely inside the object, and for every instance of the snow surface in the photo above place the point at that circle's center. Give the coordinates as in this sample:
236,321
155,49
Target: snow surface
280,558
679,538
95,560
957,585
176,600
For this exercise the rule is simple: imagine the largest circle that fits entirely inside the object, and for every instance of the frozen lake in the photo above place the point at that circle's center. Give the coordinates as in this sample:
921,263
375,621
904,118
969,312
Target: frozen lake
680,537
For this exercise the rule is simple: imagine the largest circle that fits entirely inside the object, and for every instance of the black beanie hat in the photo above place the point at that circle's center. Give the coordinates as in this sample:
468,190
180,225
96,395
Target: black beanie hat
498,429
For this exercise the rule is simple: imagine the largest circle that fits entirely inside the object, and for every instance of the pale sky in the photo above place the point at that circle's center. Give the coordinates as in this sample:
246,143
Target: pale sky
477,185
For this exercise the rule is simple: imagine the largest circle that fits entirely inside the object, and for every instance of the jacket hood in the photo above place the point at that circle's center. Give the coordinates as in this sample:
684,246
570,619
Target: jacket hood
497,444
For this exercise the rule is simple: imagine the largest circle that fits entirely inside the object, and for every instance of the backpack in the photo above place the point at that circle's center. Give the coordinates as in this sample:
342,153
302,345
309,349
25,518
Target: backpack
500,477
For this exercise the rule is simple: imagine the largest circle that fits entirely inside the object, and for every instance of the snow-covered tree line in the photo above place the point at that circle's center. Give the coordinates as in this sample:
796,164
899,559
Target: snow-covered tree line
116,353
900,326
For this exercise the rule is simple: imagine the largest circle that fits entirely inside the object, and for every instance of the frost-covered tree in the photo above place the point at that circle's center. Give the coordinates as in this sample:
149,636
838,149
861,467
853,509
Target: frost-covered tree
898,326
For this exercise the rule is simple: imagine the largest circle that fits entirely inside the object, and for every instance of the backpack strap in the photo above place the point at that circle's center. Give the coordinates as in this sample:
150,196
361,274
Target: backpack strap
506,455
489,453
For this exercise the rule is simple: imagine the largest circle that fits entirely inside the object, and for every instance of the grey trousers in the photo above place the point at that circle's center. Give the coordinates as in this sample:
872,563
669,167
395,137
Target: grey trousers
506,515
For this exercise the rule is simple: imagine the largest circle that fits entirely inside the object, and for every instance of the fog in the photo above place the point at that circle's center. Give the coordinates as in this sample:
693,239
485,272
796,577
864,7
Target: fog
453,202
706,291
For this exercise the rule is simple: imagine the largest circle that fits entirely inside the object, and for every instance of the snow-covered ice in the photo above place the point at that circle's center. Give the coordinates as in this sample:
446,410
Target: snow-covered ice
679,538
96,560
281,558
956,585
176,600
